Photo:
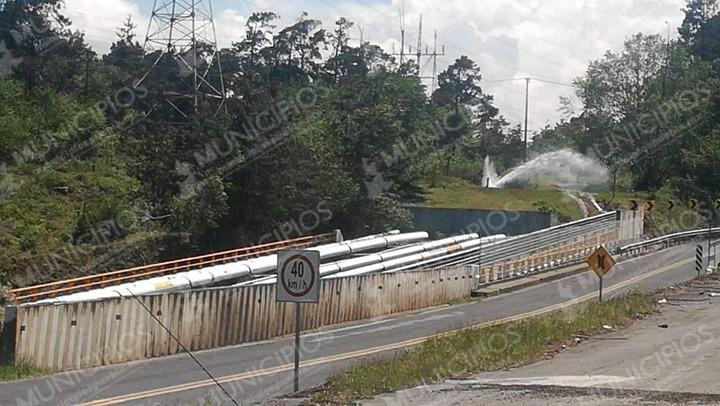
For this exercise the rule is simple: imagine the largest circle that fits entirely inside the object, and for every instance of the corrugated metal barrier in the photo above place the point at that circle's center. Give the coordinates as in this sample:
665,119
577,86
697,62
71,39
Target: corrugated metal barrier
81,335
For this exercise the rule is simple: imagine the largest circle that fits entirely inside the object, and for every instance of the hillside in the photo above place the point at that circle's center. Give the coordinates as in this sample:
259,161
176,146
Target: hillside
462,194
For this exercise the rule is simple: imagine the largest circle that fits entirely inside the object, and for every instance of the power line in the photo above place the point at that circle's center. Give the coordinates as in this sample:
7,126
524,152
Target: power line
553,82
437,54
511,44
564,24
455,46
170,333
531,78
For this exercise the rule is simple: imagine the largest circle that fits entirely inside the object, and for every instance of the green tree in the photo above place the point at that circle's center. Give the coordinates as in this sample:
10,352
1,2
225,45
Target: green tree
126,54
460,91
697,14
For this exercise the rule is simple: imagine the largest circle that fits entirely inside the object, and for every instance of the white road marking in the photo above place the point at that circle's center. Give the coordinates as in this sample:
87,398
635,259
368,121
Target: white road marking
389,327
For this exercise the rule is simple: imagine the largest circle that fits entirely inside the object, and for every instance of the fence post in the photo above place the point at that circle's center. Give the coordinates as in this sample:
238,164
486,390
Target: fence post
7,339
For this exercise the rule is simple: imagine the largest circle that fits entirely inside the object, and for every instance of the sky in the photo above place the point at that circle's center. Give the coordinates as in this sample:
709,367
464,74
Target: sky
552,40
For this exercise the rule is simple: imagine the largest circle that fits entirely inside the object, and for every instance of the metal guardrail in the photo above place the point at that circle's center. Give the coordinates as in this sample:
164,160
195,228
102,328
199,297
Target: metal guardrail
671,238
529,244
52,289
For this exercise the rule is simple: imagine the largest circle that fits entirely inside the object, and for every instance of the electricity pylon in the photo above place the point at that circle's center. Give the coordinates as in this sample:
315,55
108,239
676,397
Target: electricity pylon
183,31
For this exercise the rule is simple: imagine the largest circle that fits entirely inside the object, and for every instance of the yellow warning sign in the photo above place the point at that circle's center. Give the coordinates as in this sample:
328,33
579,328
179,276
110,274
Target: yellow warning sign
601,261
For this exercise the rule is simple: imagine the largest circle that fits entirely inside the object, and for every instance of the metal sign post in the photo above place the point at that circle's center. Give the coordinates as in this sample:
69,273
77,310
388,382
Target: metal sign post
601,262
709,239
479,274
298,281
298,324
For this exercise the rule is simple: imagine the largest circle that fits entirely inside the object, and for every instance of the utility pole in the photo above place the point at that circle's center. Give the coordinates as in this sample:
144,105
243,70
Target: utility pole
402,33
419,43
435,55
527,106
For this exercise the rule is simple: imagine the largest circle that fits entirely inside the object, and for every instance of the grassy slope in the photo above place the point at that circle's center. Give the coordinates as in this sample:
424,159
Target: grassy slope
461,194
482,349
19,371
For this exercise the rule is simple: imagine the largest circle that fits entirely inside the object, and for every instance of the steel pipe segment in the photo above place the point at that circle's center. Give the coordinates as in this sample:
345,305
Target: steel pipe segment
340,268
223,272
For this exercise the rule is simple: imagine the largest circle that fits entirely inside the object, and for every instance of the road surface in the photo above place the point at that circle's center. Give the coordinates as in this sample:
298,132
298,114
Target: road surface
668,358
255,372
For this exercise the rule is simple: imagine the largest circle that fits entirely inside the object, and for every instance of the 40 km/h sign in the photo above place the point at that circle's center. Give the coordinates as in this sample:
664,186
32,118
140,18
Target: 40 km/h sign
298,277
298,281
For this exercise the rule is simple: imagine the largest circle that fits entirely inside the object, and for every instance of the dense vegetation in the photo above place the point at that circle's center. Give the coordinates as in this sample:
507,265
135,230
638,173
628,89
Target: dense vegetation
97,173
315,134
651,111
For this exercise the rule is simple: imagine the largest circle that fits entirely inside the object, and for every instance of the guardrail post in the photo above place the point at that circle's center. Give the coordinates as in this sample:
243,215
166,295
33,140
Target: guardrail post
7,339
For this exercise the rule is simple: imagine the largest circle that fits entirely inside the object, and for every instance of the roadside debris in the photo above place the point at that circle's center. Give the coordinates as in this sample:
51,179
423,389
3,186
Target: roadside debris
663,326
580,337
607,327
662,301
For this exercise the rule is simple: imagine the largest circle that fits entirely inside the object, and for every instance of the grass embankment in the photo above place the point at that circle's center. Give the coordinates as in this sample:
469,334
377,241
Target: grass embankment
453,193
482,349
19,370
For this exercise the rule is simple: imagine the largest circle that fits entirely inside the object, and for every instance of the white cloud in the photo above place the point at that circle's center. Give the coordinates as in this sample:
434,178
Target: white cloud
100,20
549,39
230,26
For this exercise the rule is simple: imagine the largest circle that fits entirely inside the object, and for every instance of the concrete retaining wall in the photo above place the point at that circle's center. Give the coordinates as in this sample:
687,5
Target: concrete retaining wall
483,222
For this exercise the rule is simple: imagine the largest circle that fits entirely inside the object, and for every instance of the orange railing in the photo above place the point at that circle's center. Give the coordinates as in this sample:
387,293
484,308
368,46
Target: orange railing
52,289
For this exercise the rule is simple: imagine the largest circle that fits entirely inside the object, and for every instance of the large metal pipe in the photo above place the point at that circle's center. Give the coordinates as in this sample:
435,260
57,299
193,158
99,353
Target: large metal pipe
219,273
327,270
419,258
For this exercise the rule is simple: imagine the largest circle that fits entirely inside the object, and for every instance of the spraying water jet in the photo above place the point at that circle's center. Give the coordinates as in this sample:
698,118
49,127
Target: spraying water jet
564,169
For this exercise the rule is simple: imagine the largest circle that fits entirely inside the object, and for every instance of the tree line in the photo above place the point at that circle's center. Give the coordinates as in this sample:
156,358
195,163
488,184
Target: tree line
651,111
318,132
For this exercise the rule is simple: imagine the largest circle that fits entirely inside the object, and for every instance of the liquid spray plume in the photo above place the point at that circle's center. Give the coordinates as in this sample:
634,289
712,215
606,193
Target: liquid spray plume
565,169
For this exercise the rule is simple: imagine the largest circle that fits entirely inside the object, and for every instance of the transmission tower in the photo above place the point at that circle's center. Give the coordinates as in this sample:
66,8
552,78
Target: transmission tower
182,34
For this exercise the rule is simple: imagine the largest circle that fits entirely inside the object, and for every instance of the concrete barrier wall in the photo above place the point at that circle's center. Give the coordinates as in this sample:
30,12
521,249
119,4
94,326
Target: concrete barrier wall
631,226
483,222
82,335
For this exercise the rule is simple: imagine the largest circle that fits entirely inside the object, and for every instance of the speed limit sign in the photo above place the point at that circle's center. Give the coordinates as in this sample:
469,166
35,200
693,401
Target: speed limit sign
298,281
298,277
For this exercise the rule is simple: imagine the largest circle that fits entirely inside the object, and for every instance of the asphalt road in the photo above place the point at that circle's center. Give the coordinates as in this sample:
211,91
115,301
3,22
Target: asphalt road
255,372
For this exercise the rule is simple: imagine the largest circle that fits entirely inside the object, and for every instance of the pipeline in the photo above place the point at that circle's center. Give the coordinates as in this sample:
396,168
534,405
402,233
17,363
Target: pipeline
328,270
236,270
415,260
